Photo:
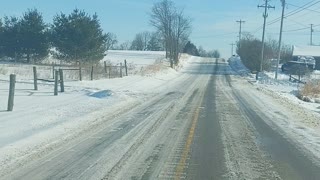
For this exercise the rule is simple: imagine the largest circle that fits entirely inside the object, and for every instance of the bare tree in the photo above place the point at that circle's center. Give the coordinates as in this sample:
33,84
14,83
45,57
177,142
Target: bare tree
124,46
111,40
181,30
161,19
173,26
138,43
271,49
155,43
202,52
146,38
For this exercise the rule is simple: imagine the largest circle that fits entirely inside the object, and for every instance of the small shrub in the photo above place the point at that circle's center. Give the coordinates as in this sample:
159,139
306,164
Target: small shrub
151,69
311,89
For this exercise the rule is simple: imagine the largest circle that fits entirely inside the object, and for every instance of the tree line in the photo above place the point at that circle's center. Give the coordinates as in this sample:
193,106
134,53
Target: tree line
192,49
249,49
78,36
152,41
74,37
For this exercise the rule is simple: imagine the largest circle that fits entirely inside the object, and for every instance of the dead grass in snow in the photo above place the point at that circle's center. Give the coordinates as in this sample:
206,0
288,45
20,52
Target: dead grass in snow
311,89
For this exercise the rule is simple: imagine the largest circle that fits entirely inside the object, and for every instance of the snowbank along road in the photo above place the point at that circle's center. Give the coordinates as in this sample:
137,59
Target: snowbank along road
208,124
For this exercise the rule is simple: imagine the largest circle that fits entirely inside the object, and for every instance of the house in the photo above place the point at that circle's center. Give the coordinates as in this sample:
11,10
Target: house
307,51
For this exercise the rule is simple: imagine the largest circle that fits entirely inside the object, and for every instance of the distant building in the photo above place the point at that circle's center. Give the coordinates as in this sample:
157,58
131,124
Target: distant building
307,51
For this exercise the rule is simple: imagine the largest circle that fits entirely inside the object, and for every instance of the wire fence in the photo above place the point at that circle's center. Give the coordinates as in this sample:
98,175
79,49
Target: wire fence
76,71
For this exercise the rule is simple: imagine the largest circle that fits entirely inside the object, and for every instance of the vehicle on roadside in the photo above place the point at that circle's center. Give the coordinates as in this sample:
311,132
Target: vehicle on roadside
305,62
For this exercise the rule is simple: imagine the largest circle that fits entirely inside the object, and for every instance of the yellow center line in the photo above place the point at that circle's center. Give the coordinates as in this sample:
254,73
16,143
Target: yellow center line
181,165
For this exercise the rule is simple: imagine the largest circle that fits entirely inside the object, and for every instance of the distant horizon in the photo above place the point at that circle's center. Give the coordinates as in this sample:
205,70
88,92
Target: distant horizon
214,24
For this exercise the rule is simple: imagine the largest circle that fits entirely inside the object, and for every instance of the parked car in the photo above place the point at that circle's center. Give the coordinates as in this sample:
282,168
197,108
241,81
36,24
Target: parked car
307,62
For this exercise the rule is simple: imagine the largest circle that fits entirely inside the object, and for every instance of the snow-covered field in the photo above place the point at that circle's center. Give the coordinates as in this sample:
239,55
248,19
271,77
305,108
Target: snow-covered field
135,57
138,62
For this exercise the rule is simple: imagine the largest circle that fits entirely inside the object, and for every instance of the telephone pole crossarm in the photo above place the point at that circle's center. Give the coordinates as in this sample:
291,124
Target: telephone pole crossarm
240,30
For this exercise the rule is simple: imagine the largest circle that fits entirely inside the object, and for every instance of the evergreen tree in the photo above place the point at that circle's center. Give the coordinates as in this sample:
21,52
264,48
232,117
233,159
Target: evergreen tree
191,49
1,39
10,38
216,54
33,36
78,36
138,43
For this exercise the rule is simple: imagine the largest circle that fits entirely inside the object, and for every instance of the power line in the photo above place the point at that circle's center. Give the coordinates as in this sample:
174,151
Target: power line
211,36
295,11
300,29
291,13
297,22
303,8
307,15
294,30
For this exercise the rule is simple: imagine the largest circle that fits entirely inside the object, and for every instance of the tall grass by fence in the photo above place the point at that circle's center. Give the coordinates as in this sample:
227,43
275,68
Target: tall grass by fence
71,72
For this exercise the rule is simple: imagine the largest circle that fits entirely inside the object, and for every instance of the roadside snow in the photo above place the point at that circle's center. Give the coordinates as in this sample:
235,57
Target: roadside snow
40,119
236,64
304,127
282,86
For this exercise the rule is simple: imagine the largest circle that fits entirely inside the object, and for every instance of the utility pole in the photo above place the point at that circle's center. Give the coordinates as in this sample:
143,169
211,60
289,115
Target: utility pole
266,6
280,37
240,30
232,48
311,43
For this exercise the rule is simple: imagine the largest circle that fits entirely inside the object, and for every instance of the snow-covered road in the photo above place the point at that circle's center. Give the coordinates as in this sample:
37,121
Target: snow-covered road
131,135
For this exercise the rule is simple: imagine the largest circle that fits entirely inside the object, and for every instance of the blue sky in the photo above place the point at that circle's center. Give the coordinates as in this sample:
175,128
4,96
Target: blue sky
214,22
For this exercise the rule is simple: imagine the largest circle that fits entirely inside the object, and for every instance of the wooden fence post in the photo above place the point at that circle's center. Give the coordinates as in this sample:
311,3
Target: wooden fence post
91,76
105,66
35,78
80,74
11,91
125,65
56,77
110,72
120,70
52,70
61,80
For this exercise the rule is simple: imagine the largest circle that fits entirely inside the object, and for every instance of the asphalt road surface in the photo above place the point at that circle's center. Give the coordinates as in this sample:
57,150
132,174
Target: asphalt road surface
205,126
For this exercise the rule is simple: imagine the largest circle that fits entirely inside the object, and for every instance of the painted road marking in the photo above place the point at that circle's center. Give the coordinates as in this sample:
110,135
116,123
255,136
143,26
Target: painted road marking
182,163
